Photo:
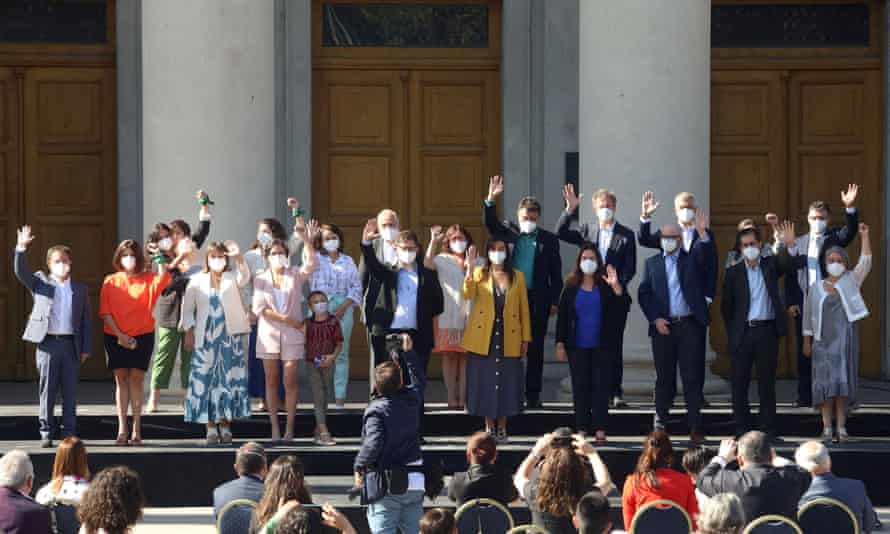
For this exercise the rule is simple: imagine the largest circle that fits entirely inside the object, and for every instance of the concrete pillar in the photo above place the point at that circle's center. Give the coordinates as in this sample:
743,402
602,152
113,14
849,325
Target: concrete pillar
208,111
644,114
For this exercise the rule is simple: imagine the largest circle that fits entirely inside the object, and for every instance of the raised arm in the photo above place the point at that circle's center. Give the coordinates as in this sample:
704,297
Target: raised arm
310,256
369,258
495,227
524,471
203,220
645,236
863,266
847,234
473,274
20,262
436,235
567,227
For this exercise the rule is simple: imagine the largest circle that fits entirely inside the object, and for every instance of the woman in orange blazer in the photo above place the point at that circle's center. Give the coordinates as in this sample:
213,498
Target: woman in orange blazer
496,337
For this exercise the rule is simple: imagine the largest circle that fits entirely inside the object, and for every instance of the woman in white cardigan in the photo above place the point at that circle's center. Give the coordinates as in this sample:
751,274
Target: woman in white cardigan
831,310
215,322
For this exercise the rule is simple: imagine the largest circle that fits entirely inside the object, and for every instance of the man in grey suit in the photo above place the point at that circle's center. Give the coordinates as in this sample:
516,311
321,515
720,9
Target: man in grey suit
813,456
61,326
251,467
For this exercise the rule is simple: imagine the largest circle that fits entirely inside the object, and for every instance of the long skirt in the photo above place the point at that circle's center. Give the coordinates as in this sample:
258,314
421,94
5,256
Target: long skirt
494,386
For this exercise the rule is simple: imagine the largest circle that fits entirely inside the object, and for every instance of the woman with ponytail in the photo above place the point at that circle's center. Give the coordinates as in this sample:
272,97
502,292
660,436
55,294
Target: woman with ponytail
484,479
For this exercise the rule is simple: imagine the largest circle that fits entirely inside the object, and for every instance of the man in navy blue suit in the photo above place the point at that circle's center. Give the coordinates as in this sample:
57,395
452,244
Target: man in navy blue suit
672,295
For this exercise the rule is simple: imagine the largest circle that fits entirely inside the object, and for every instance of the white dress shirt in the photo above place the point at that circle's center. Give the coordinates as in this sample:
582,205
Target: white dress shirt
760,308
405,317
388,251
605,239
688,236
814,273
60,314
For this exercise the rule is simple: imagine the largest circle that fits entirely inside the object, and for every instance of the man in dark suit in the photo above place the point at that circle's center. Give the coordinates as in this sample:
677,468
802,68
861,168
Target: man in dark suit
672,296
536,254
617,248
813,456
808,257
61,326
19,513
384,246
755,321
765,483
251,467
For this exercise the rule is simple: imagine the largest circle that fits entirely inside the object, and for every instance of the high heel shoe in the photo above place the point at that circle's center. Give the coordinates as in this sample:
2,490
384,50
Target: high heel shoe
842,435
827,434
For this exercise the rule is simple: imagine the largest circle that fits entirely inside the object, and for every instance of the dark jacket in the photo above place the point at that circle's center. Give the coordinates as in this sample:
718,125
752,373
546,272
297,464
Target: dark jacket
736,296
370,285
483,482
847,490
547,276
622,252
763,489
248,487
430,301
613,309
20,514
649,240
42,291
167,309
653,294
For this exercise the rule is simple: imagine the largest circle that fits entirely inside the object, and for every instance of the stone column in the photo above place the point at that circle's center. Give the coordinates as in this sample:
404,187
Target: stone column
644,125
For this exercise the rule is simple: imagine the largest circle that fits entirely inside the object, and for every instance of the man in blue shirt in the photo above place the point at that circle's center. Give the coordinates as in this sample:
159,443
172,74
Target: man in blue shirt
251,468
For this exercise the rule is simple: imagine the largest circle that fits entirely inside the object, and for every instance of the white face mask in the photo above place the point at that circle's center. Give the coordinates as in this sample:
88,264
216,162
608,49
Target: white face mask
331,245
668,245
406,256
685,215
128,262
59,269
217,265
605,214
527,227
836,269
165,244
817,226
497,257
588,266
264,239
390,233
751,253
458,247
278,261
320,307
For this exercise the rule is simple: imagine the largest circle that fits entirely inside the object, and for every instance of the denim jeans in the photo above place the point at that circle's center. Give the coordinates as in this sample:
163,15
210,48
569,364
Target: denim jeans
396,513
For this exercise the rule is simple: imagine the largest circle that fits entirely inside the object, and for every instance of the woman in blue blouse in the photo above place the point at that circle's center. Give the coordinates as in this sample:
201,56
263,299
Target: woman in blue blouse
587,335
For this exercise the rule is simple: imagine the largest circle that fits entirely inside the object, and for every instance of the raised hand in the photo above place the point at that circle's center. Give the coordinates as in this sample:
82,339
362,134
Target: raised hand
572,200
728,449
24,237
312,230
300,228
370,232
495,187
232,248
472,258
701,222
649,204
863,229
786,230
772,219
611,278
436,234
848,197
293,203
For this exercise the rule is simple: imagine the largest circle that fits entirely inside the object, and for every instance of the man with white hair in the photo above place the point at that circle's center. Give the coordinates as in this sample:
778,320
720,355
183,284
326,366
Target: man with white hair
385,250
813,456
19,513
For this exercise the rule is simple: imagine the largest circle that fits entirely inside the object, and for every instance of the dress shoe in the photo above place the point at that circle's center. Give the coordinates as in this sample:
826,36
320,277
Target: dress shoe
46,443
802,404
618,402
697,438
533,404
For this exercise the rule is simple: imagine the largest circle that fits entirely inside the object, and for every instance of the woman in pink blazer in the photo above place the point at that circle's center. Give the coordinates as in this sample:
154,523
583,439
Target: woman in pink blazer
277,304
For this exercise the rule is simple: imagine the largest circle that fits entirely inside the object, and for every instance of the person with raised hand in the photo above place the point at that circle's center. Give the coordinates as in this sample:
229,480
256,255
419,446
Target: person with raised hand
61,326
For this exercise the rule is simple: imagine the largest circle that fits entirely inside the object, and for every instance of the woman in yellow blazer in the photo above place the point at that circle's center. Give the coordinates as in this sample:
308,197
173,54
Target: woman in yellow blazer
496,337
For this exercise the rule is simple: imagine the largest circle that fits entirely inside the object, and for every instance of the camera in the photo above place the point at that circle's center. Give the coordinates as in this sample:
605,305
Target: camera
562,438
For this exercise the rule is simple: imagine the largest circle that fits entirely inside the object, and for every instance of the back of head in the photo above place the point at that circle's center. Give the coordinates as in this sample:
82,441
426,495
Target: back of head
250,459
16,469
71,460
722,514
113,502
284,482
387,378
564,478
481,449
755,449
299,521
814,457
657,452
437,521
695,459
592,513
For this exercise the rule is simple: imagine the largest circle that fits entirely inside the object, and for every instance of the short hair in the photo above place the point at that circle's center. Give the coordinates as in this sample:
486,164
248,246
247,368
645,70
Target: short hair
529,204
437,521
482,447
722,514
61,249
742,233
695,459
605,193
316,292
592,513
299,520
813,455
181,226
754,448
276,243
407,235
218,247
15,469
387,378
387,211
820,205
328,227
683,196
250,459
131,246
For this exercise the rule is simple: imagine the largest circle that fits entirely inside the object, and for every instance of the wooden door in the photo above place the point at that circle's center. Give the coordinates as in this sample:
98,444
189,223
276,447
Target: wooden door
70,176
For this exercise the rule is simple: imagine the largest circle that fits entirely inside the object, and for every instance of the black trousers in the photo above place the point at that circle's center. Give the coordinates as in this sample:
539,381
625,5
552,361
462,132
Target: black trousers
804,367
539,309
760,347
591,372
684,347
618,360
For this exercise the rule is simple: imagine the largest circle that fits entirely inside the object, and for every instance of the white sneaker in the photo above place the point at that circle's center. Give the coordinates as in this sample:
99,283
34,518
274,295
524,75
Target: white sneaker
212,436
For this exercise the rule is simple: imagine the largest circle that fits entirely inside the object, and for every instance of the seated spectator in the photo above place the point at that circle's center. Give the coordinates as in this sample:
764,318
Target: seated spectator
765,483
19,513
438,521
70,474
484,478
291,518
654,479
723,514
113,503
285,482
592,514
694,460
813,456
560,469
251,467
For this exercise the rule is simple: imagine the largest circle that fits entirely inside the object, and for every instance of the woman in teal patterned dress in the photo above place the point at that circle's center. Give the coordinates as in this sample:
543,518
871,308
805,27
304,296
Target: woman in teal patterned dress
215,322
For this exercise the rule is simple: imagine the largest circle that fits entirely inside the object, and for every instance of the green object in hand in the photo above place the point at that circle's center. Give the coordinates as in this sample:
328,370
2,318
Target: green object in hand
298,212
205,201
159,258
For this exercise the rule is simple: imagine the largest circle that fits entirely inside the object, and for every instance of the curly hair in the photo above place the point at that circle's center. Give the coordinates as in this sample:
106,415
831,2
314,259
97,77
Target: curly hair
565,478
299,521
113,502
283,483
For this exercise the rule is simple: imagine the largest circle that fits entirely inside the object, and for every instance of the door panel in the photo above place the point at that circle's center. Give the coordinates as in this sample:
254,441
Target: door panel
12,301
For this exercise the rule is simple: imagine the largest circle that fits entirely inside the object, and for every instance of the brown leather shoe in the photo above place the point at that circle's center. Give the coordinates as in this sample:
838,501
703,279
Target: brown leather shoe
697,438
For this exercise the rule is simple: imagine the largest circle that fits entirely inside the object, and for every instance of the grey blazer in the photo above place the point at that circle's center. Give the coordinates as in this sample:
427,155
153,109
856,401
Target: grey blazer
42,290
848,491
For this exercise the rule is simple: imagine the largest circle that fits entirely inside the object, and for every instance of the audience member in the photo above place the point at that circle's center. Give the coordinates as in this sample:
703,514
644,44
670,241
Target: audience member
722,514
71,474
113,503
484,478
654,479
694,460
284,482
19,513
592,514
438,521
765,483
251,468
813,456
293,518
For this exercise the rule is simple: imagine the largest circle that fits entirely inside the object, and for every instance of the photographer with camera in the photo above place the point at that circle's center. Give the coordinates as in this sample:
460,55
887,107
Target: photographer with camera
561,468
